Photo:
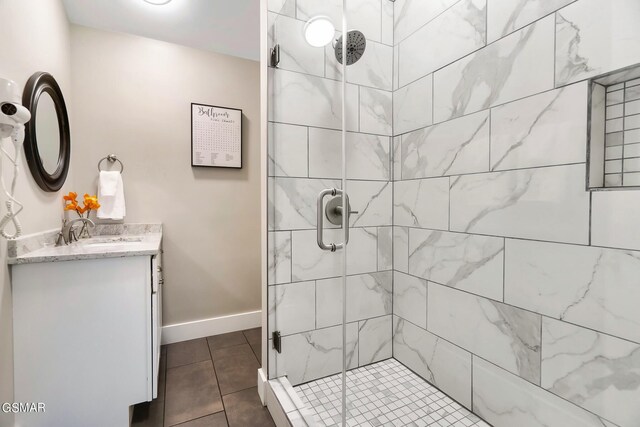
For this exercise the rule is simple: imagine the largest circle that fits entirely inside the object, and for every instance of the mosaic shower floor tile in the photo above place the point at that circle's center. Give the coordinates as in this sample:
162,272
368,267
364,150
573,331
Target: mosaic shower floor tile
384,394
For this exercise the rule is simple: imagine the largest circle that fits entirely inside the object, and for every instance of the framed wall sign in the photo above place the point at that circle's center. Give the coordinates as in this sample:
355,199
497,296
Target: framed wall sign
216,136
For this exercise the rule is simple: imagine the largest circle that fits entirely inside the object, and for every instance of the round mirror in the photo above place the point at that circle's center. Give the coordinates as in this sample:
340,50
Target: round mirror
47,143
48,135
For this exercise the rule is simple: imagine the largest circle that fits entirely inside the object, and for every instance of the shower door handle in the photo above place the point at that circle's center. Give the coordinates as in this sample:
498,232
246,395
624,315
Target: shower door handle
320,220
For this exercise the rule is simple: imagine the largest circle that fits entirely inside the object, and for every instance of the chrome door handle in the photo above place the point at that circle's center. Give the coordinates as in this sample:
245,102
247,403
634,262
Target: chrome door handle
320,220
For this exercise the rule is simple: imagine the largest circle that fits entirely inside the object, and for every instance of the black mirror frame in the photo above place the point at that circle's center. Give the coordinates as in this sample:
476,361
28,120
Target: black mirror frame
39,83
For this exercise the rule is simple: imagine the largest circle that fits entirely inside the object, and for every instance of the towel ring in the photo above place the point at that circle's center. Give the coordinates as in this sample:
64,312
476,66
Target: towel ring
112,159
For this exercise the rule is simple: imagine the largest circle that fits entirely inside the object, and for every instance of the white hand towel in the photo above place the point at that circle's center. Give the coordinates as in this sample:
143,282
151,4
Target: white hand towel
109,182
111,201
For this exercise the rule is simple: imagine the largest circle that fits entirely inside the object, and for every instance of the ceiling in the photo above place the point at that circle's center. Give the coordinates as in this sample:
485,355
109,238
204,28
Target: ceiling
231,27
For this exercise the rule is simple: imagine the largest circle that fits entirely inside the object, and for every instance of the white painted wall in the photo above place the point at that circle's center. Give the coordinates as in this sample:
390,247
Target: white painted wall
132,97
34,36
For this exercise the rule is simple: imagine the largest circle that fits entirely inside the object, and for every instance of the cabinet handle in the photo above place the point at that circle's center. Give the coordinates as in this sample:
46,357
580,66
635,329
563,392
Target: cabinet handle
159,269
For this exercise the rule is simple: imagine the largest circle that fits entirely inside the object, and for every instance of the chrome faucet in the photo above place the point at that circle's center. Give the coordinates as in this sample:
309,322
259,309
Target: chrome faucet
68,234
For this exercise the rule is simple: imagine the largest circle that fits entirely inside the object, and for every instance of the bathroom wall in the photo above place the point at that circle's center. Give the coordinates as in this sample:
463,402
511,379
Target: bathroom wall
305,288
515,289
34,36
132,97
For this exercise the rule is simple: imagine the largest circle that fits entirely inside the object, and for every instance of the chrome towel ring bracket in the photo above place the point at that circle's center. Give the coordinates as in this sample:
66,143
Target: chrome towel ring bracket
111,158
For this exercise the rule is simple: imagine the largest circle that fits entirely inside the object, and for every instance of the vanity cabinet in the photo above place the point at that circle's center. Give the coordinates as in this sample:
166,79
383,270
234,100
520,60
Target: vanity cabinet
86,339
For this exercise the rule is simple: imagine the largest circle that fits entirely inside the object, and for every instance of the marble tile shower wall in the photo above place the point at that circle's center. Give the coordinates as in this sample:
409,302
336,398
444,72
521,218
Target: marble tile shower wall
515,290
305,296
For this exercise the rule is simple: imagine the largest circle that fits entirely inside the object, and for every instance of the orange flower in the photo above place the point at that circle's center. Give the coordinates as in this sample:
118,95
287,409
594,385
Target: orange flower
71,197
71,206
70,202
90,202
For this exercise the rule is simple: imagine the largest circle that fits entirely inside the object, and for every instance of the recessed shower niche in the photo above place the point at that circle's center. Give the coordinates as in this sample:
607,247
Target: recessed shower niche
614,130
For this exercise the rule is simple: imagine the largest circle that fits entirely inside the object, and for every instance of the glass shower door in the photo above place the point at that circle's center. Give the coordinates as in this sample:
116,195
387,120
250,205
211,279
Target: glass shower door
330,280
305,160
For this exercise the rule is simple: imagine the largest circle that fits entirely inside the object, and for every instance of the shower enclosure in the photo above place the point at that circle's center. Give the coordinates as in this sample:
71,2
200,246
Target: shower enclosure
488,155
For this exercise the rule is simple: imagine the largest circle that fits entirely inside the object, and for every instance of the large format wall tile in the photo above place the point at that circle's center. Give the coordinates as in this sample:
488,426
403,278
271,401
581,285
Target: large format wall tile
397,158
506,400
311,355
595,37
506,16
374,340
593,287
311,101
543,130
385,248
413,106
455,33
287,150
361,250
367,155
310,262
396,67
292,308
514,67
441,363
462,261
292,202
387,22
544,204
504,335
368,296
376,111
455,147
374,69
614,221
401,249
373,200
410,15
592,370
329,302
410,298
285,7
279,265
422,203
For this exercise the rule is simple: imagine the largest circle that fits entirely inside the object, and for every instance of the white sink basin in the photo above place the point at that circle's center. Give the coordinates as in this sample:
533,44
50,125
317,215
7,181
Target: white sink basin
102,242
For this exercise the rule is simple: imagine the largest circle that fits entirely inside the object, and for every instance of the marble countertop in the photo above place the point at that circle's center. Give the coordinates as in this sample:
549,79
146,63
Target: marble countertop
108,242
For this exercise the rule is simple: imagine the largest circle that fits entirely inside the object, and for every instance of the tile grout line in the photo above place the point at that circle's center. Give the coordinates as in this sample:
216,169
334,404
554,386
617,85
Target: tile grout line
213,365
164,402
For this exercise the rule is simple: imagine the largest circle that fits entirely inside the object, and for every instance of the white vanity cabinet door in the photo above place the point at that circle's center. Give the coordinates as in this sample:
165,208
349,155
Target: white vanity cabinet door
156,321
82,334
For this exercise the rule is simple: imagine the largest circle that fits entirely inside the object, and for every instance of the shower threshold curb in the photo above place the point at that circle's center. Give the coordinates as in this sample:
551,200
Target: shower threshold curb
296,412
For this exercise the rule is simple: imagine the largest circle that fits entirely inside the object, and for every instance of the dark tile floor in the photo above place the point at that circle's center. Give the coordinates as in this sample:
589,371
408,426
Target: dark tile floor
208,382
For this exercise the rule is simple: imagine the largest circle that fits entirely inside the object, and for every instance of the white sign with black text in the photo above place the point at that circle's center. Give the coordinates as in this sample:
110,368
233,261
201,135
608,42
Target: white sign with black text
216,136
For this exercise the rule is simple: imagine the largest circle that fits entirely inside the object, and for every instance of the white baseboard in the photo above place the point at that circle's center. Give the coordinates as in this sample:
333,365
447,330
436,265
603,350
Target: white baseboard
207,327
262,381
